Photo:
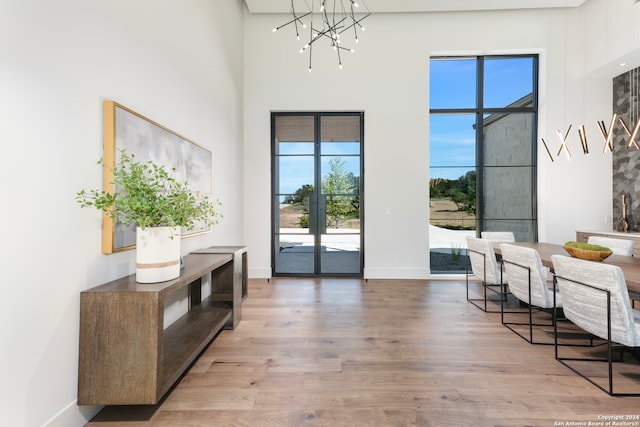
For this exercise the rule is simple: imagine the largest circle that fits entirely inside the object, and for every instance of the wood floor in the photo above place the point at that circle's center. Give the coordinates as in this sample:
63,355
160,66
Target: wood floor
345,352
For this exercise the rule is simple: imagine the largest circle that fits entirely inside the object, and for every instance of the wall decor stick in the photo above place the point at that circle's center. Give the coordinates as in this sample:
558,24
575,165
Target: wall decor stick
632,135
607,134
583,139
563,143
547,148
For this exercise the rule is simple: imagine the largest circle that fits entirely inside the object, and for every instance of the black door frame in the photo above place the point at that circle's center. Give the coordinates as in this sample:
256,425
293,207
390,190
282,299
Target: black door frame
314,222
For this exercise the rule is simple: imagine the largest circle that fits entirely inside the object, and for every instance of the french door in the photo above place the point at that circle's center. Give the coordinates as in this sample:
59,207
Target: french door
317,194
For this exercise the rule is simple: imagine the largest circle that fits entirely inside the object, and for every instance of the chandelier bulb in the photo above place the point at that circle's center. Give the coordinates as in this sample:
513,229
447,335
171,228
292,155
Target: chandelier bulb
275,29
355,4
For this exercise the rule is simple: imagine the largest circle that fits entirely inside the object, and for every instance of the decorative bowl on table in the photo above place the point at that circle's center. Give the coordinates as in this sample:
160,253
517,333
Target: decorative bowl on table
587,251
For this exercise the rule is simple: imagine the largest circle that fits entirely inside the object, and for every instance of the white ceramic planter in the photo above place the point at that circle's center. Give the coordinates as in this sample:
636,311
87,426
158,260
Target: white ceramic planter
157,254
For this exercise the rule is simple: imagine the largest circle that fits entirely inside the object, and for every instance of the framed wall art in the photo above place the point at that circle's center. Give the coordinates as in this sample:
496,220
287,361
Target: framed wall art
148,140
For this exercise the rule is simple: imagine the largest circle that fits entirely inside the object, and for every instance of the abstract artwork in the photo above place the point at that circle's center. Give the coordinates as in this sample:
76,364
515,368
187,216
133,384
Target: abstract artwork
147,140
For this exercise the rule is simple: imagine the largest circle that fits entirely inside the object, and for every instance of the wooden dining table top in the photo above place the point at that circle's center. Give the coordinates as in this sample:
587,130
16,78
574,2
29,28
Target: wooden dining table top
630,266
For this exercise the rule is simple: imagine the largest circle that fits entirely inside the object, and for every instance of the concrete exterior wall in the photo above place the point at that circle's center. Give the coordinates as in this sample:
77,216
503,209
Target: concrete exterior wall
507,187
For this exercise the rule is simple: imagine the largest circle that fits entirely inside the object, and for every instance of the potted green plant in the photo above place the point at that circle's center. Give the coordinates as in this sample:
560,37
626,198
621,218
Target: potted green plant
148,195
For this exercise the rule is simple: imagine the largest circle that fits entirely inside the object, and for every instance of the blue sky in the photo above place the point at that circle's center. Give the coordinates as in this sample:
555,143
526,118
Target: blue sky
453,82
296,162
453,85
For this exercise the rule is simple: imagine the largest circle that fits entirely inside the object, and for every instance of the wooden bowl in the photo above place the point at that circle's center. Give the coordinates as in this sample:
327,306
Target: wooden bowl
588,255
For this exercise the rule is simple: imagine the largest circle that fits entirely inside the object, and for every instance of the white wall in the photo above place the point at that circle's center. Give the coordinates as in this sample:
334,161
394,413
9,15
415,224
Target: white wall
577,194
387,78
277,79
178,63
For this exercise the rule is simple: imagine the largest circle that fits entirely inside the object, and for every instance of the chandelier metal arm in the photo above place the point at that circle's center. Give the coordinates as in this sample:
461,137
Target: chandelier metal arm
336,19
295,19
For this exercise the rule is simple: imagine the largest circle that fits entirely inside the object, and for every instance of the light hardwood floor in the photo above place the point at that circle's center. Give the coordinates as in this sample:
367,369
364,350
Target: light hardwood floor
345,352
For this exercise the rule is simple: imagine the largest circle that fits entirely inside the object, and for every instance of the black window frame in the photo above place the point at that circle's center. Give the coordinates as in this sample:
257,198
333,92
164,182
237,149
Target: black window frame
481,113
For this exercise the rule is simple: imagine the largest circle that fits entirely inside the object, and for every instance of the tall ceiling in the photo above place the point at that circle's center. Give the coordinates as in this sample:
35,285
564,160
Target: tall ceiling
390,6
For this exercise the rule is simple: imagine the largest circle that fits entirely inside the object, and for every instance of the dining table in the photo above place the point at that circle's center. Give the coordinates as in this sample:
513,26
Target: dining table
630,266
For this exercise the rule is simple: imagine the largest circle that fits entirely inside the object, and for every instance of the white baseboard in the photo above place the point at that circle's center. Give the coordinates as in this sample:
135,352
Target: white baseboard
73,415
369,273
396,273
259,273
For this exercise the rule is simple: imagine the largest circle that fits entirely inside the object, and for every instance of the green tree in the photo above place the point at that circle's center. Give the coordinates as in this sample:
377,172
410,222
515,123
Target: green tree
461,191
300,197
300,200
337,184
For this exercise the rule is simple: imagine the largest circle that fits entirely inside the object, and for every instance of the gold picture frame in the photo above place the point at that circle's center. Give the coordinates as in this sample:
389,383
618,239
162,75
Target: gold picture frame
148,140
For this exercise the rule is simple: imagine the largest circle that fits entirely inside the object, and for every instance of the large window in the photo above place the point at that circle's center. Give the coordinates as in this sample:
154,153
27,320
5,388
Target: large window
483,116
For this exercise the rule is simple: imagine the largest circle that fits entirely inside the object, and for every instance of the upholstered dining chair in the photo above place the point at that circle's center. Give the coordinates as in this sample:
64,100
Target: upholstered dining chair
528,281
498,236
617,246
595,298
487,269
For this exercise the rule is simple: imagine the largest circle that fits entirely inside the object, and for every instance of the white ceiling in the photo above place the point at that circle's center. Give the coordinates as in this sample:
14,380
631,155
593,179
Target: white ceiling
390,6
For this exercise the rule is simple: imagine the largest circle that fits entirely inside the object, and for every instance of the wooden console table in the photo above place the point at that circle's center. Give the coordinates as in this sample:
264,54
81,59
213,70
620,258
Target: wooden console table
126,355
239,261
583,236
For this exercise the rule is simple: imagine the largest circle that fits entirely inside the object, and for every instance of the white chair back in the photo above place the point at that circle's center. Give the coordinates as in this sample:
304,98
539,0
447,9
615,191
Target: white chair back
617,246
586,306
498,236
483,261
524,268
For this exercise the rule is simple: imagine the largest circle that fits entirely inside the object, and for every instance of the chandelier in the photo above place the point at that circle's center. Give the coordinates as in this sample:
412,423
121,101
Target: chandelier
632,130
330,21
